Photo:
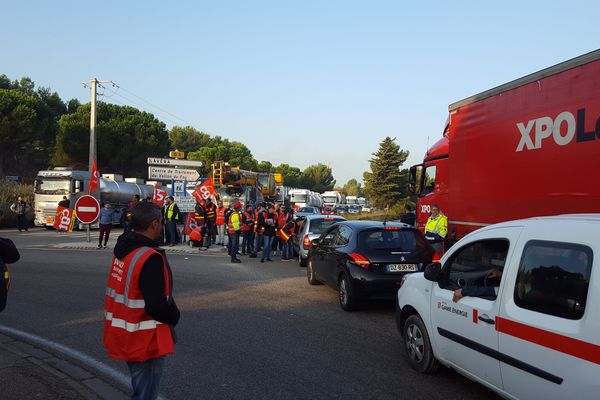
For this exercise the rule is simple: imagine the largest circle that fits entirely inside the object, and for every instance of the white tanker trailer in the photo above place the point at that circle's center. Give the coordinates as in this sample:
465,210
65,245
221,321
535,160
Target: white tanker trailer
50,187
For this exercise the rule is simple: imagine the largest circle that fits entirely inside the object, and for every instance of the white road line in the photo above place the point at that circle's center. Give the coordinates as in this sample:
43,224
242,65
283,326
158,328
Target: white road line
80,357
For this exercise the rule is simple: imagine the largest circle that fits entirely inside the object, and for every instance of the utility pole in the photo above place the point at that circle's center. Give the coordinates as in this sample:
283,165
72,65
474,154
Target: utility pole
93,84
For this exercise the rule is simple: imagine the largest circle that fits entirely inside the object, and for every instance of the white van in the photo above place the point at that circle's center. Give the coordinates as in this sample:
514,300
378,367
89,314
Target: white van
533,333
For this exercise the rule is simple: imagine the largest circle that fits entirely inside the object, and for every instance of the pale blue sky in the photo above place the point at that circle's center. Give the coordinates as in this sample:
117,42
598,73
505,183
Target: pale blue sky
297,81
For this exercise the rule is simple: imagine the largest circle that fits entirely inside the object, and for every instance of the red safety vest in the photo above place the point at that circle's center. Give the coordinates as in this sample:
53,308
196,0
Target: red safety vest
129,333
220,216
249,219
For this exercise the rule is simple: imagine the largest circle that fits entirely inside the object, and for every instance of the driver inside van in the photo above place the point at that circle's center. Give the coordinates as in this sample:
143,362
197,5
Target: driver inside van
493,275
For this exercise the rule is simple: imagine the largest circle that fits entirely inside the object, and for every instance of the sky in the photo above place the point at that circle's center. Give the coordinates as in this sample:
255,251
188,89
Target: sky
298,82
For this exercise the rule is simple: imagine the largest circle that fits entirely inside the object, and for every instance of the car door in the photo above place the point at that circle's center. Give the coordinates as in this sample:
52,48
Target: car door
321,256
464,330
336,258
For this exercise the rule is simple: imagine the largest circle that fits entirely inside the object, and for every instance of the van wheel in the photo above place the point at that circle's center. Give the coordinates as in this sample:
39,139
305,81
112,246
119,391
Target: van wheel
346,295
302,261
310,274
418,346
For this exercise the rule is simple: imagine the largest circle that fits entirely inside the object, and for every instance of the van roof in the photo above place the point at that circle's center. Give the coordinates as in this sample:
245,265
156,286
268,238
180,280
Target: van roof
593,218
536,76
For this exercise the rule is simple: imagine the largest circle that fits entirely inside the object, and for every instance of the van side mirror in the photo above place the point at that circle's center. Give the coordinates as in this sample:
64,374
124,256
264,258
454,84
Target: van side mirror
433,272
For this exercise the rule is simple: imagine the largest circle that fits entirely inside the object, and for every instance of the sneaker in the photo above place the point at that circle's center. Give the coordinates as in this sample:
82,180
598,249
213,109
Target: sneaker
104,246
236,260
99,246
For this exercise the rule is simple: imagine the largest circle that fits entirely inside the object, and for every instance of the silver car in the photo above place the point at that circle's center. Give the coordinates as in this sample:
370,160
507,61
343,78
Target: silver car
311,228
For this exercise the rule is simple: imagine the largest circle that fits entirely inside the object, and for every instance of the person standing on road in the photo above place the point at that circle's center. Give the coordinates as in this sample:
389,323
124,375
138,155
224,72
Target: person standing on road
139,308
409,217
171,215
135,200
211,220
220,223
20,207
106,220
436,229
268,221
8,255
247,231
286,235
258,230
234,225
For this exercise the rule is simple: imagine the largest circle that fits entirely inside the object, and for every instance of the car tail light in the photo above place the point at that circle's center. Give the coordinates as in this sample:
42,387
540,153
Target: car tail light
361,261
391,228
436,257
306,242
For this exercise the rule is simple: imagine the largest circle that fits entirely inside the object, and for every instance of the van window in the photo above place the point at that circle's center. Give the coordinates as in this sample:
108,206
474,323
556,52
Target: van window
554,278
429,179
470,266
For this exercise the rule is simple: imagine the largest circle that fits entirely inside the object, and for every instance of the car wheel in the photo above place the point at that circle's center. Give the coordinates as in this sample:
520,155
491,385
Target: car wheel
302,261
418,346
347,297
310,274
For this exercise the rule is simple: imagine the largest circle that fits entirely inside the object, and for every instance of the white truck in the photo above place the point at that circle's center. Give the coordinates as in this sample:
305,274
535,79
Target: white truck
304,198
333,198
50,186
513,306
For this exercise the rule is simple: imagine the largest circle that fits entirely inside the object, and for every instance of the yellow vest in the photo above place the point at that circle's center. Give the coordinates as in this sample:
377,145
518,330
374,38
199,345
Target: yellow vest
438,225
170,212
234,222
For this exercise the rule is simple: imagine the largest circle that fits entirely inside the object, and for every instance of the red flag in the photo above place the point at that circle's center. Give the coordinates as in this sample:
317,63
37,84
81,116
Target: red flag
159,196
204,191
190,224
64,219
94,182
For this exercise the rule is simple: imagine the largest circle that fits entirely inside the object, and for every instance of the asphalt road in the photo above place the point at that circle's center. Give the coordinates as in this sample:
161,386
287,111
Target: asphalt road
247,331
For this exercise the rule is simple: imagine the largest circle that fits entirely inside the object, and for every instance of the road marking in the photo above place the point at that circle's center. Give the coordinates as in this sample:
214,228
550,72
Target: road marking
86,209
80,357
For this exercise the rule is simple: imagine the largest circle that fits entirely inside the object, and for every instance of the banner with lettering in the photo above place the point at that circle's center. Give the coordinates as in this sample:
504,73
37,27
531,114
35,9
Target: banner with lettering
64,219
206,191
159,196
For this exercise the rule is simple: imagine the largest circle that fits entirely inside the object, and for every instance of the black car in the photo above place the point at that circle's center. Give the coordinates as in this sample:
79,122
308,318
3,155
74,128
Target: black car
366,259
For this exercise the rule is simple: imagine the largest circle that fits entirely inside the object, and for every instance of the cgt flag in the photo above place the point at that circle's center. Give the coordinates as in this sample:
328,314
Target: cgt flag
64,219
205,191
94,181
159,196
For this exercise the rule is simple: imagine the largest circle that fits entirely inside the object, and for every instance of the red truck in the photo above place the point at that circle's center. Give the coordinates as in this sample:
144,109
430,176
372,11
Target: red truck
527,148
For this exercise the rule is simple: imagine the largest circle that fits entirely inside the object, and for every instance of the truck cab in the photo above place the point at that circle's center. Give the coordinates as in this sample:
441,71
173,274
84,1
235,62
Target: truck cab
532,332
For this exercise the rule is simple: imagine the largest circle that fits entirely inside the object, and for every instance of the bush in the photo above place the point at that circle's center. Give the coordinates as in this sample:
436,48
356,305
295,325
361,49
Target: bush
9,191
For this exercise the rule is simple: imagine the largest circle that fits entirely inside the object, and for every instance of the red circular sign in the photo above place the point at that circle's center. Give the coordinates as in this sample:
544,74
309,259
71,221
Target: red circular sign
87,209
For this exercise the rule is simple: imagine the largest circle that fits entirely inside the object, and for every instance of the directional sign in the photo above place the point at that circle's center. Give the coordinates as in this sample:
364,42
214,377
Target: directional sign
173,162
185,203
178,174
87,209
179,187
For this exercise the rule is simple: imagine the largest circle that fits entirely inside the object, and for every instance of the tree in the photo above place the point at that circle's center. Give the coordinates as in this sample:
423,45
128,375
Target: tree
188,138
386,184
264,166
291,175
27,129
219,149
126,137
317,178
353,188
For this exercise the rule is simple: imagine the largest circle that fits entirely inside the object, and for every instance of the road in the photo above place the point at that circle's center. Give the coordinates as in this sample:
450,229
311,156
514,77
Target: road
247,331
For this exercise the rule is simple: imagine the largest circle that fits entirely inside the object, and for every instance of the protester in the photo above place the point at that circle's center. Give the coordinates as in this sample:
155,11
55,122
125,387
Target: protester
276,244
135,200
233,229
267,221
409,217
171,216
106,220
220,223
211,220
8,255
20,208
436,229
247,231
287,233
258,230
141,336
64,202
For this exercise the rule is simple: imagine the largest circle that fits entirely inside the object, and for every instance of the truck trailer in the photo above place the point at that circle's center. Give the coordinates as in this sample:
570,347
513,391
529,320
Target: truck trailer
526,148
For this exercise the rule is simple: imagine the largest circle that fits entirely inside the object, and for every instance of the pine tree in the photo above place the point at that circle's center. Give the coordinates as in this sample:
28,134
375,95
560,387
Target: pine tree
386,184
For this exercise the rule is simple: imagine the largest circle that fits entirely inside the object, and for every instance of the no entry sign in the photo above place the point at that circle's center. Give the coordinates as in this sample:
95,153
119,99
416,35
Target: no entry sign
87,209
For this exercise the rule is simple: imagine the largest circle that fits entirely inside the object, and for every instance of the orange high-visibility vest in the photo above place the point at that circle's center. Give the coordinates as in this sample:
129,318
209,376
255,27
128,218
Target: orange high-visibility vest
129,333
220,216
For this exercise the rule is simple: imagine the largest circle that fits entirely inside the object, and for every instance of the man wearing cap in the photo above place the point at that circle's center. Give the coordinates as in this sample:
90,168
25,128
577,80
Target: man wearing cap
233,230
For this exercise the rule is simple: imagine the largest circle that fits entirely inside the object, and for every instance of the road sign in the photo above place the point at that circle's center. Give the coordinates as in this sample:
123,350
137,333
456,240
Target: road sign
177,154
87,209
173,162
185,203
179,187
178,174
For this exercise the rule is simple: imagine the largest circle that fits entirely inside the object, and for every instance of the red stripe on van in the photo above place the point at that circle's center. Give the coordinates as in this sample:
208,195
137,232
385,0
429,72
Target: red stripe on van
564,344
475,315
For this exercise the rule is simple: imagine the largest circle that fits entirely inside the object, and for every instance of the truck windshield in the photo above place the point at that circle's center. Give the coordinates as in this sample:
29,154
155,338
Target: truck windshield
350,201
298,198
52,186
330,199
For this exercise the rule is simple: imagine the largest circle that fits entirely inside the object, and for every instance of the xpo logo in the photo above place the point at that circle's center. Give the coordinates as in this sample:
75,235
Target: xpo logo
562,129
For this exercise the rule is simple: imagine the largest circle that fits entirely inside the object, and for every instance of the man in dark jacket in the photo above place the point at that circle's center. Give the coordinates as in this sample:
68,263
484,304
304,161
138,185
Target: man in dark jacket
64,202
268,221
146,226
20,207
8,255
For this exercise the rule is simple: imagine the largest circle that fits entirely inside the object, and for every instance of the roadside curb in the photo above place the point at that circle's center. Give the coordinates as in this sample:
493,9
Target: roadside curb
89,381
181,249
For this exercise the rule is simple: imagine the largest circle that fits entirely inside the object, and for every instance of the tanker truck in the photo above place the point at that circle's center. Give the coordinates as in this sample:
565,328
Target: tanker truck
50,186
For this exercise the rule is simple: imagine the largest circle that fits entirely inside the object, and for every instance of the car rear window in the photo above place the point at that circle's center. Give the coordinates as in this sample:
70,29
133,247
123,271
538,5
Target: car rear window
321,224
387,239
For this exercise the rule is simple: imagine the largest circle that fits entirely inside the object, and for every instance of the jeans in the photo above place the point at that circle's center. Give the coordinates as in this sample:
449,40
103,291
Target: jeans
267,246
145,378
247,241
21,222
221,234
258,240
288,249
104,233
209,233
171,232
234,244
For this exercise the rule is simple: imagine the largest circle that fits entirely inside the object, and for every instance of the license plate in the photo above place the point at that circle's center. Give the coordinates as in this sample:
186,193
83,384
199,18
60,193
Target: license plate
401,267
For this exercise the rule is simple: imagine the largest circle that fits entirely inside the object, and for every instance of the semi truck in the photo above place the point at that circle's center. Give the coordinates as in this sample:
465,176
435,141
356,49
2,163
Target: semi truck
305,198
333,198
51,185
526,148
